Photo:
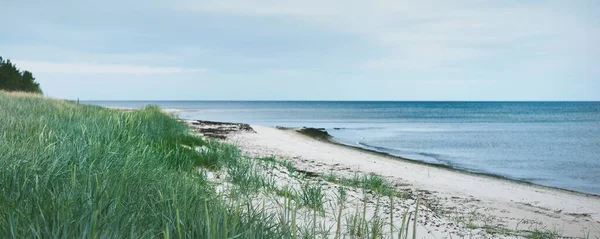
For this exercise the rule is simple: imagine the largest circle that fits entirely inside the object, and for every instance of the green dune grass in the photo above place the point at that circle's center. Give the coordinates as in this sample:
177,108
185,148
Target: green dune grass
79,171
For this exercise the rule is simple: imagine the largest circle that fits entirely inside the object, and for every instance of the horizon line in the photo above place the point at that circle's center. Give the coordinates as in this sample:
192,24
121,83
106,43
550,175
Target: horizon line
437,101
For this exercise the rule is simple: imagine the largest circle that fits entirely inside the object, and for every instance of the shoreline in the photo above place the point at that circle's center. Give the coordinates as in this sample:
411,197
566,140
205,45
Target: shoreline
463,170
450,193
326,137
466,170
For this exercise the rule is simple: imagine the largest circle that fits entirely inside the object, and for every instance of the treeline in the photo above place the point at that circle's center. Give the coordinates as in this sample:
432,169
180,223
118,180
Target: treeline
12,79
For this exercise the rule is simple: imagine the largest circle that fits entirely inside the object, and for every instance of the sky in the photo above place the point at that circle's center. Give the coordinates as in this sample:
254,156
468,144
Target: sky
481,50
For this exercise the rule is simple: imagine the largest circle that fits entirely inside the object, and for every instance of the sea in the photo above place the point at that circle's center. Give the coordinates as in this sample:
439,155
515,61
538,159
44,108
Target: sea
555,144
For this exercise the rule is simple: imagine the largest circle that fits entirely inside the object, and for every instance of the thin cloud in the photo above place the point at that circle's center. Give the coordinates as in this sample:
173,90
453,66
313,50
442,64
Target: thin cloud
85,68
543,45
414,29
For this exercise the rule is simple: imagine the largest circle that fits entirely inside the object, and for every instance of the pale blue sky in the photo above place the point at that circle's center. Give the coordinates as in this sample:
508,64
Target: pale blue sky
307,50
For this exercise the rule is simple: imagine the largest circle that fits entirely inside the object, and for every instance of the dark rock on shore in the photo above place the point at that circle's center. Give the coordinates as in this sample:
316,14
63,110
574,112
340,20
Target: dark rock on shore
218,130
317,133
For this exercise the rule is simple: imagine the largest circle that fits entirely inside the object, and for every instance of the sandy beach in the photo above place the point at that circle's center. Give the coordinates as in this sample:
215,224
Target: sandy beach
460,204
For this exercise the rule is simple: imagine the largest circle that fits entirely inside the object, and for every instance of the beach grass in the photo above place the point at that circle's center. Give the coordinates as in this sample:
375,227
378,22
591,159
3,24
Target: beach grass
371,182
71,170
273,160
312,196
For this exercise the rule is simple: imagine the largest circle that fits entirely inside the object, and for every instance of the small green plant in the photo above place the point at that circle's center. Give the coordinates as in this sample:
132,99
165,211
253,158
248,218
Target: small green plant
470,225
341,197
312,196
268,159
330,177
371,182
541,232
273,160
287,192
246,176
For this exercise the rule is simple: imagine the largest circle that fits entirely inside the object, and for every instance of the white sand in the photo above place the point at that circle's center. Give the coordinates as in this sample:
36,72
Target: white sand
453,194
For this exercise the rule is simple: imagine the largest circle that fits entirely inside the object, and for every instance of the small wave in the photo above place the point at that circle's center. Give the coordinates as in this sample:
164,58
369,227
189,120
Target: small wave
372,146
426,157
429,158
439,158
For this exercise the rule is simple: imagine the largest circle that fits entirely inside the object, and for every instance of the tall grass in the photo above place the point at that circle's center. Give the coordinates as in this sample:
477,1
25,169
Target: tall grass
69,170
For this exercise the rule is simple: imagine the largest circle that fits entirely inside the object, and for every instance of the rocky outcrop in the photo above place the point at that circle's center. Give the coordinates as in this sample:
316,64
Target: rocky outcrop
218,130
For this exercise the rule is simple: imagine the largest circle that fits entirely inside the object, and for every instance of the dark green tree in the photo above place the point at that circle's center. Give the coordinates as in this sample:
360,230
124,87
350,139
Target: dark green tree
12,79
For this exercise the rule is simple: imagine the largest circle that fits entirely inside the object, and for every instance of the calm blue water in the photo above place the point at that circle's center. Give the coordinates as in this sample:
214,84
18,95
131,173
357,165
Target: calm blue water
549,143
